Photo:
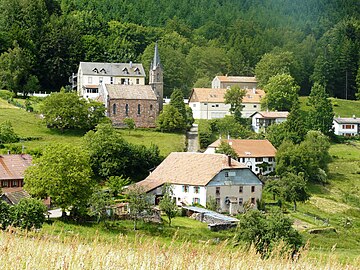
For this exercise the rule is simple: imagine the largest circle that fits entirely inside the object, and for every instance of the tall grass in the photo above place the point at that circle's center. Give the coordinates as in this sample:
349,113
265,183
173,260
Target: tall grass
32,251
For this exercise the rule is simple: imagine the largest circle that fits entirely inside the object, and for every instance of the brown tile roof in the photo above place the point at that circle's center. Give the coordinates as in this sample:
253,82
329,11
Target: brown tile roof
13,166
249,148
121,91
237,79
189,169
273,114
217,95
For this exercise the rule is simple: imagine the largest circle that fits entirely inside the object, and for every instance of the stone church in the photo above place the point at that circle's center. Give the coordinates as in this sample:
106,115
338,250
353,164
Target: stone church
121,87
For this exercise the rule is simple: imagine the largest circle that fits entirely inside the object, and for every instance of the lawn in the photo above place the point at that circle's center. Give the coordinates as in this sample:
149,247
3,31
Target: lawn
30,125
341,107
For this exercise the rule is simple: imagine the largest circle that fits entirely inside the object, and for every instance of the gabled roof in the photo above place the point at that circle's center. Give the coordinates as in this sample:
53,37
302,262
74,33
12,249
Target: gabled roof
14,197
13,166
121,91
217,95
249,148
236,79
272,115
188,168
112,69
352,120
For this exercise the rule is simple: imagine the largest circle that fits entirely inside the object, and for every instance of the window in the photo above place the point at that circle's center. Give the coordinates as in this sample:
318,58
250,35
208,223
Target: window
196,200
217,191
4,183
258,159
139,109
126,109
240,201
125,70
185,189
194,105
218,201
253,200
216,105
270,159
243,160
111,80
256,169
100,79
348,126
151,107
196,189
114,108
252,188
205,104
137,81
14,183
226,174
255,106
89,79
241,189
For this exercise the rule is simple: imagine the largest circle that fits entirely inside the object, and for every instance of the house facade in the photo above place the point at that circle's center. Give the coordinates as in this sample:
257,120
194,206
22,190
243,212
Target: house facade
130,101
12,168
209,103
346,126
261,120
196,178
227,81
257,155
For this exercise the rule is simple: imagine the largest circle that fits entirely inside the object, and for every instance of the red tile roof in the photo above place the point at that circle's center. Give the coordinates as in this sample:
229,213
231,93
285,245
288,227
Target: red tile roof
237,79
217,95
13,166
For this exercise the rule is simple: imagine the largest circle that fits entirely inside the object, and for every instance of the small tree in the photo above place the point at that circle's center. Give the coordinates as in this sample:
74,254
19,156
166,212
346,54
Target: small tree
139,203
28,213
5,217
130,123
7,133
293,188
225,148
98,202
170,120
167,203
117,183
211,204
234,97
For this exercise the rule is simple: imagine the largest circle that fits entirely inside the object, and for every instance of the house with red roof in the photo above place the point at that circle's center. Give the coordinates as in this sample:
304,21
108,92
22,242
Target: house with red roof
12,168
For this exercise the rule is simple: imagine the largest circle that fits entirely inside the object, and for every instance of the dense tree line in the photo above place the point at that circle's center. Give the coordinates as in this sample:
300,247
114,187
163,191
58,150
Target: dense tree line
316,40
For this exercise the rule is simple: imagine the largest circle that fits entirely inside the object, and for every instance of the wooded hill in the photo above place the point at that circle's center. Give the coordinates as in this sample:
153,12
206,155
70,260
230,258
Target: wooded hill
43,41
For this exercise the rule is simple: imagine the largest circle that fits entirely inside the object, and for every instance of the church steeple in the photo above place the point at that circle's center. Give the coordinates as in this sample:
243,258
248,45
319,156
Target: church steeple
156,76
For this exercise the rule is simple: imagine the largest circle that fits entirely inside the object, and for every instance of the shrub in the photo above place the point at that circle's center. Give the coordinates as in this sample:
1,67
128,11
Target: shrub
28,214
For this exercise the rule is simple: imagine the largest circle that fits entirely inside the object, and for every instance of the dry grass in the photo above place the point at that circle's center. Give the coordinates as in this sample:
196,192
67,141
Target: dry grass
34,252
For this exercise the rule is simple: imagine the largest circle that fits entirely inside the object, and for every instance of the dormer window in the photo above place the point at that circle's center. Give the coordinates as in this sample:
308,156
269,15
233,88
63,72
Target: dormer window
95,70
103,70
137,71
125,70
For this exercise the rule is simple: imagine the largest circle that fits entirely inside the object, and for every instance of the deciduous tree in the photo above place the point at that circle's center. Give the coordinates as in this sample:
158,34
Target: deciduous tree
28,213
167,203
234,97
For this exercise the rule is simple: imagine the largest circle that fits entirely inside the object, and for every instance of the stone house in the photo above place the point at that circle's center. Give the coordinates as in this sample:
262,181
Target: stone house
258,155
197,178
227,81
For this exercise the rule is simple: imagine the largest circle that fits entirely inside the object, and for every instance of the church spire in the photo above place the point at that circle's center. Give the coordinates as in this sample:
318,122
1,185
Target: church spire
156,61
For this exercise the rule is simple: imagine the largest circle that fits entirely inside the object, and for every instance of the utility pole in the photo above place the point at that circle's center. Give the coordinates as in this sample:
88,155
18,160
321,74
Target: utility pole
346,85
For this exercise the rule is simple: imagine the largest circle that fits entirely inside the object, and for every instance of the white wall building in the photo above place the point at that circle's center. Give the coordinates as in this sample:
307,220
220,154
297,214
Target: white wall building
258,155
209,103
196,177
261,120
346,126
227,81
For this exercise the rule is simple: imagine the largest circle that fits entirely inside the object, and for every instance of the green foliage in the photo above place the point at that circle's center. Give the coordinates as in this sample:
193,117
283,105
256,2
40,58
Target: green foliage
116,184
7,133
229,126
321,113
281,93
189,118
63,172
225,148
130,123
111,155
167,203
276,134
5,215
234,97
139,203
266,231
98,203
69,111
205,134
211,204
28,213
295,130
171,120
177,101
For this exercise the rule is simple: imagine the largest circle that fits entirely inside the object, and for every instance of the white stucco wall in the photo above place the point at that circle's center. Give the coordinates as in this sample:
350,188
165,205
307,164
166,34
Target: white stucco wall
340,130
209,110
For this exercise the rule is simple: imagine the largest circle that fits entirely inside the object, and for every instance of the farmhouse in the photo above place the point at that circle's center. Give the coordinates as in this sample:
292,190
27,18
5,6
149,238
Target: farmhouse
228,81
12,168
209,103
258,155
346,126
261,120
196,178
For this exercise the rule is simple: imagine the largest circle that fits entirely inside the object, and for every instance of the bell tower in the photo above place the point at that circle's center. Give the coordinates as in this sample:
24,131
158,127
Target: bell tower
156,77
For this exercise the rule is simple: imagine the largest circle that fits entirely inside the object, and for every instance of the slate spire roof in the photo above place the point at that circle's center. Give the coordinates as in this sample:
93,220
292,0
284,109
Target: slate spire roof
156,62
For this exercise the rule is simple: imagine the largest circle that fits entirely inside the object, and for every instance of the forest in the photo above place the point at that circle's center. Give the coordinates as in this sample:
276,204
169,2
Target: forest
43,41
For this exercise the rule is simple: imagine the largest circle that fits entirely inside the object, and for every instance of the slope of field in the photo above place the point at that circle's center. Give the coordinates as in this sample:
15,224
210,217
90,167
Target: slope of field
29,125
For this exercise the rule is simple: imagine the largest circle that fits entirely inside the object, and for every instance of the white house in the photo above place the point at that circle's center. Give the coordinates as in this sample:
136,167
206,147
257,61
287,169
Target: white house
227,81
92,74
195,178
258,155
261,120
346,126
209,103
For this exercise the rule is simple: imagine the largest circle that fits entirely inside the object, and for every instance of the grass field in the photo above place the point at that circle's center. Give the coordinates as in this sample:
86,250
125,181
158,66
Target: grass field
341,107
30,125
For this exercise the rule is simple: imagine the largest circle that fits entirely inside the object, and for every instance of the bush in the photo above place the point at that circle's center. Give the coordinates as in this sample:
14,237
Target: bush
28,214
205,133
4,94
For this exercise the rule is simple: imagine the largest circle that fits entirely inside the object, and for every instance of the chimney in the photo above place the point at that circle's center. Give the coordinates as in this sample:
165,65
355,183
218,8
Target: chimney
229,160
8,152
130,64
354,116
254,90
